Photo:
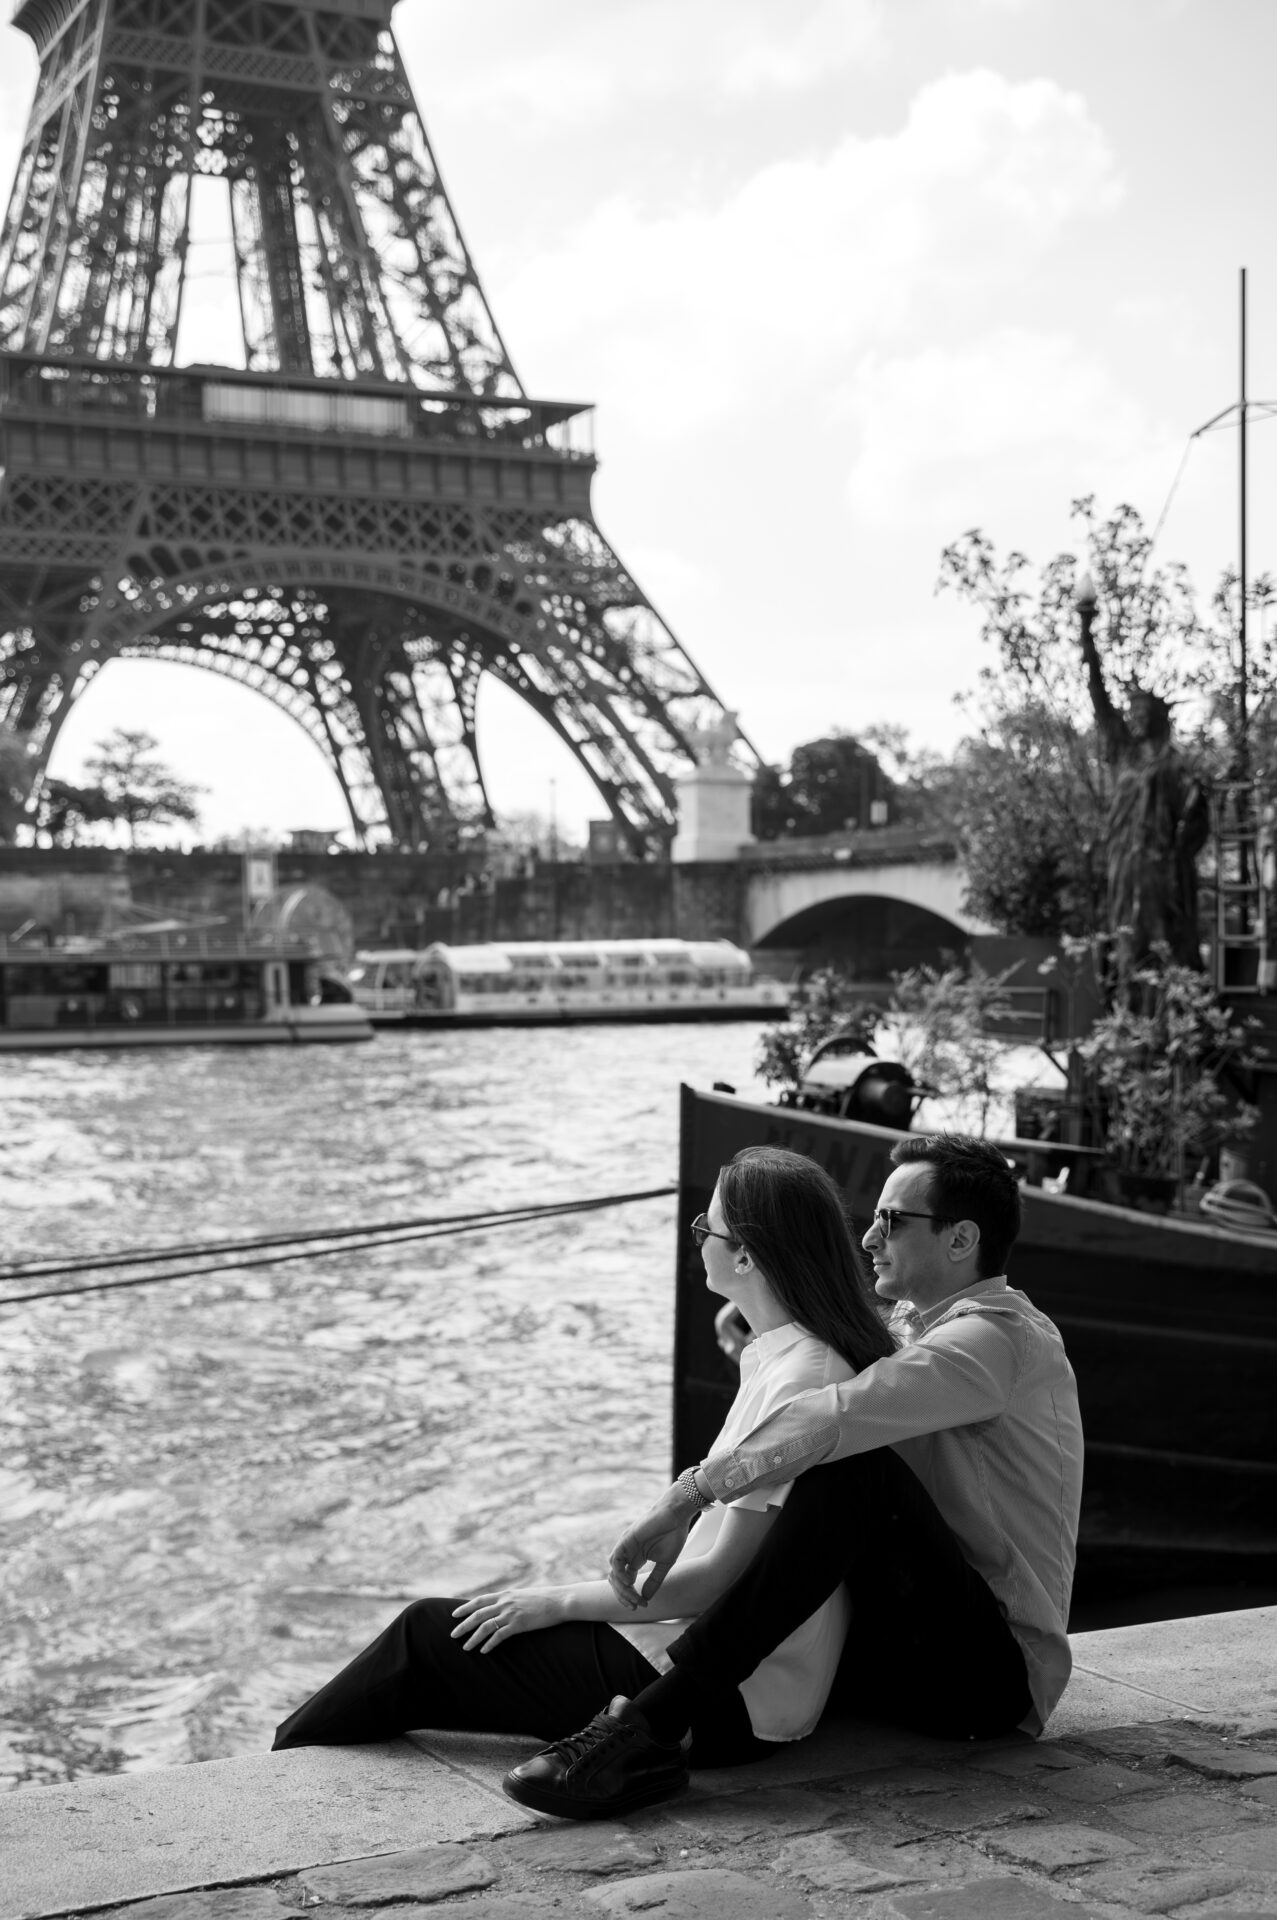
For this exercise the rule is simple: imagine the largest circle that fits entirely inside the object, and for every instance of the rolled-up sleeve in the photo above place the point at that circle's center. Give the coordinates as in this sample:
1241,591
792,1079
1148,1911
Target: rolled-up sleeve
963,1371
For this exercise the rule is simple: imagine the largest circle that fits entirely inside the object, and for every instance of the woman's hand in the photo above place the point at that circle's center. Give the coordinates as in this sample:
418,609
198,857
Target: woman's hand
490,1618
658,1540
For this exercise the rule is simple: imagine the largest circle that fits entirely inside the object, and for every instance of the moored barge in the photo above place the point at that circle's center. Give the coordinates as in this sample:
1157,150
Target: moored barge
170,989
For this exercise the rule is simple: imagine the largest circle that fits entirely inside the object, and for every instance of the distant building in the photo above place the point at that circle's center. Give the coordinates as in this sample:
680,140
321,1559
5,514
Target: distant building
607,843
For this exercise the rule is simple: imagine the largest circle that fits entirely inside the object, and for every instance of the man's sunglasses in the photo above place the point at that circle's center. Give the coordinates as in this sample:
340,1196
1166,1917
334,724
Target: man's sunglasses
885,1218
701,1231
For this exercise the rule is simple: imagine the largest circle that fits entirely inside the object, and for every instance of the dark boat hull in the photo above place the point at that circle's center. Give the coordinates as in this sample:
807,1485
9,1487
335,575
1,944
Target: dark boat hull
1171,1327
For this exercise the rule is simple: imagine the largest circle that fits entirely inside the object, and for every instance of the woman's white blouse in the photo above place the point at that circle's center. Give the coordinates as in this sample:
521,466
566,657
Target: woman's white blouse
786,1694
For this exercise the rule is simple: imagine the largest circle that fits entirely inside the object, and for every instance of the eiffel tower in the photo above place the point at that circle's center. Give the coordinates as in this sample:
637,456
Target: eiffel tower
368,512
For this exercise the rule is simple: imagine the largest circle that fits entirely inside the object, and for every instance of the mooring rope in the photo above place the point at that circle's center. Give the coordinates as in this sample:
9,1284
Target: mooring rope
298,1246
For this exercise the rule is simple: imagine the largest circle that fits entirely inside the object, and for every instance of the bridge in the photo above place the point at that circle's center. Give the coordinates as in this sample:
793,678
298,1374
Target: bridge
882,899
879,900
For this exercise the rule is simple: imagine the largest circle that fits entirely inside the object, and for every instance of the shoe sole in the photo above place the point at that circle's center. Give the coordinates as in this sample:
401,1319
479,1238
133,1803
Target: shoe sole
565,1807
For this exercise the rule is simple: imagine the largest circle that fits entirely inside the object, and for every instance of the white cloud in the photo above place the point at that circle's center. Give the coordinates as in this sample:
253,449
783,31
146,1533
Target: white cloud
575,64
940,427
812,261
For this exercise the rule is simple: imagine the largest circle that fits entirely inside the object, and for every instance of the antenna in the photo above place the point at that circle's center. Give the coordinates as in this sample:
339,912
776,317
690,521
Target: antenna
1242,407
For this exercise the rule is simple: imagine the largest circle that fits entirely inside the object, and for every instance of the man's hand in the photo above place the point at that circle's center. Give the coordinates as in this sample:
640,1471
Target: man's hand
659,1538
490,1618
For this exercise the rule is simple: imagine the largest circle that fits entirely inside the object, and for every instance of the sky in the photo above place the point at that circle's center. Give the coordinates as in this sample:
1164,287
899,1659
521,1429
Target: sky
843,279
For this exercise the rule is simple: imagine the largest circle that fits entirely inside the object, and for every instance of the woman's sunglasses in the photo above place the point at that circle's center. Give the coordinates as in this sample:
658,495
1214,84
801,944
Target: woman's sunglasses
701,1231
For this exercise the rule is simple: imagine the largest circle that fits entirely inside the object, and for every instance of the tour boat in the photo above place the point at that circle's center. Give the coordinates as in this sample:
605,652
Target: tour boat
1170,1322
508,983
170,989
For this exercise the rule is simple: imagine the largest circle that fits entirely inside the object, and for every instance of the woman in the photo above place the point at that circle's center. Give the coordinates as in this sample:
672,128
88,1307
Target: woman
537,1660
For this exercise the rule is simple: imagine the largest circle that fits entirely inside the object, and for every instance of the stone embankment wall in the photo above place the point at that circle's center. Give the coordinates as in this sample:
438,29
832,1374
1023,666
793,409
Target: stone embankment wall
393,898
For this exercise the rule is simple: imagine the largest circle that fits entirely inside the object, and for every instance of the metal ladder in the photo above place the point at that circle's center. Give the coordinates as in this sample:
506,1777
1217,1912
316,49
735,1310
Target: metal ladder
1244,836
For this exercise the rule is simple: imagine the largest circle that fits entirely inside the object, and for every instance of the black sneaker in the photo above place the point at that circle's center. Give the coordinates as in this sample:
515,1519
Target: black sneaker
612,1766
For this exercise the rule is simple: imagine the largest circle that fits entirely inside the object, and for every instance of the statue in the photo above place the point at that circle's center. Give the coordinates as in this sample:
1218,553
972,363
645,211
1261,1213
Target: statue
1158,819
711,745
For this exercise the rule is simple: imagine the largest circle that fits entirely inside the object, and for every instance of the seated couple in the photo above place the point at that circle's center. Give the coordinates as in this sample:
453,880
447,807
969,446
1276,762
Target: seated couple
889,1517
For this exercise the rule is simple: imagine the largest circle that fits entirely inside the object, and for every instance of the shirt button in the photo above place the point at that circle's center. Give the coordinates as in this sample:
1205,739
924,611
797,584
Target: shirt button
778,1459
730,1479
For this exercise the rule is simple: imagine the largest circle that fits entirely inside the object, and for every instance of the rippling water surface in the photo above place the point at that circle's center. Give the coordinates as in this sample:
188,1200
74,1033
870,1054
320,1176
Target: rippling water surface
213,1491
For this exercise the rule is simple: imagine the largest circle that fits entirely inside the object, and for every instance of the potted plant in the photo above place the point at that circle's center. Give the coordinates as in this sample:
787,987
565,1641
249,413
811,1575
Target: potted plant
1155,1062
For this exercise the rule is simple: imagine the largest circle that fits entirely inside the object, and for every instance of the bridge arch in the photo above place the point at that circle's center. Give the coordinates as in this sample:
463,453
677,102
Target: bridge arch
873,920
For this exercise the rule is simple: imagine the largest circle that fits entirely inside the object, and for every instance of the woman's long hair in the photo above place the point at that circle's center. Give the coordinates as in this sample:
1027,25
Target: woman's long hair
788,1214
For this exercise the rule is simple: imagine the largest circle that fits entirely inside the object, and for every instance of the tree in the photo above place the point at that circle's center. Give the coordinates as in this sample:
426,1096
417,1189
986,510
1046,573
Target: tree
138,787
1030,827
1059,724
63,809
829,784
920,780
528,830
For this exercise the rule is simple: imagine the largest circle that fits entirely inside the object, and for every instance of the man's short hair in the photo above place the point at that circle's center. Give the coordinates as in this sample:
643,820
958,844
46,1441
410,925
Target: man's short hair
972,1180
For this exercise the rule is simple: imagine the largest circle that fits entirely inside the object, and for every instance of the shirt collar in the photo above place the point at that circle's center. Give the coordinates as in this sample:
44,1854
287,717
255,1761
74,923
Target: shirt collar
775,1340
908,1318
977,1291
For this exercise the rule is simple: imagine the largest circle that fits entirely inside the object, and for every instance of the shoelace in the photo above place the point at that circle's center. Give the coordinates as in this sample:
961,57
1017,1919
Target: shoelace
575,1746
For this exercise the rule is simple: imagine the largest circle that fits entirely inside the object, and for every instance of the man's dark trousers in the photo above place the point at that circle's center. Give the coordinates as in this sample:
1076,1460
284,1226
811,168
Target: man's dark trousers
929,1646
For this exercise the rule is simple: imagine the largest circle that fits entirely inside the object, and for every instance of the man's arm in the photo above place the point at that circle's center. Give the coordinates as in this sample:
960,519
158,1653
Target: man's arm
961,1373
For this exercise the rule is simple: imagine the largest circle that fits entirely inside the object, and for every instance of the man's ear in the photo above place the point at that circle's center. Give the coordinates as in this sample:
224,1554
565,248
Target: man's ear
966,1239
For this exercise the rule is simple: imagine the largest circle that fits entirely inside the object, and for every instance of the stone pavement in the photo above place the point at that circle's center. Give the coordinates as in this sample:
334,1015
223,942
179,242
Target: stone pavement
1155,1794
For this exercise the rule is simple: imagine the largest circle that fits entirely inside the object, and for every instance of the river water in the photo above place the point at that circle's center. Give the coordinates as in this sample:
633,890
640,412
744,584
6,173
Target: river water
212,1491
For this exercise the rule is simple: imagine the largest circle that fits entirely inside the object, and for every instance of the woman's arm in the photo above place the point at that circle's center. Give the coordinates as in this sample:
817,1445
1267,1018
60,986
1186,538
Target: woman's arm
489,1618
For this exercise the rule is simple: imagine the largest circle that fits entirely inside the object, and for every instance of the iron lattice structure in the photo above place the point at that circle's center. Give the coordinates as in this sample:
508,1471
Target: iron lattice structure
368,514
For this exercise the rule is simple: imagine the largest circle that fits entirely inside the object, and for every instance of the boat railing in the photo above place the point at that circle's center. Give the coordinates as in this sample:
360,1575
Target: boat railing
138,942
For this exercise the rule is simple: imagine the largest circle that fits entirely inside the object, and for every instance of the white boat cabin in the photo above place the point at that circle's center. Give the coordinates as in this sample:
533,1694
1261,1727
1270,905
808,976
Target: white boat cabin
564,979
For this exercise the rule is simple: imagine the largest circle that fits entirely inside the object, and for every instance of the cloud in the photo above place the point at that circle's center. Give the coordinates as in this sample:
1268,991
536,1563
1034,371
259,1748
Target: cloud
811,262
951,437
577,62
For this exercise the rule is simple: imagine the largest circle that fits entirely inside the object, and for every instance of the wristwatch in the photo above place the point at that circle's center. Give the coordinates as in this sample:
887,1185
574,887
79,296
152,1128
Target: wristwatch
689,1487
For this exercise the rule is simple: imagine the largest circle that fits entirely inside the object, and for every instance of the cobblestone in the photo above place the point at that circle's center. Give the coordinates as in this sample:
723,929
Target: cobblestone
1059,1845
584,1849
1029,1757
828,1861
421,1874
742,1816
1217,1760
907,1781
1255,1847
1156,1888
1098,1785
1004,1899
219,1903
712,1893
499,1907
1173,1814
968,1810
1146,1741
1265,1790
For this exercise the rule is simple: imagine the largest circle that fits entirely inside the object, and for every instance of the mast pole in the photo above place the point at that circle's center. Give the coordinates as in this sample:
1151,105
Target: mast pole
1243,691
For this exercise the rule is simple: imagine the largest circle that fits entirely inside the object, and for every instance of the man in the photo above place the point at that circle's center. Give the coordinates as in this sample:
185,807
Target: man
942,1485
